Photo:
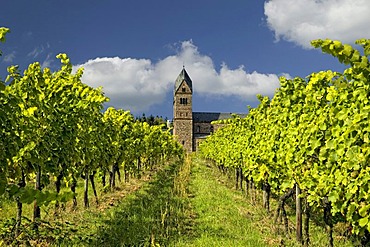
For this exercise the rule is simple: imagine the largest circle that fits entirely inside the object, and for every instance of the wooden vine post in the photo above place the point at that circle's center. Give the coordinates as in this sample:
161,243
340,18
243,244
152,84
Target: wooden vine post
298,214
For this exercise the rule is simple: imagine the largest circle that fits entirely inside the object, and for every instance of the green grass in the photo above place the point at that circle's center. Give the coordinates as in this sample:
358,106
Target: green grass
227,217
152,216
82,224
219,213
8,207
182,204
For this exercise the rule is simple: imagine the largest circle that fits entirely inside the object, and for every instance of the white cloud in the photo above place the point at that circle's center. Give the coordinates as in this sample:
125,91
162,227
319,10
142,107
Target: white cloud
305,20
38,50
49,60
137,84
9,58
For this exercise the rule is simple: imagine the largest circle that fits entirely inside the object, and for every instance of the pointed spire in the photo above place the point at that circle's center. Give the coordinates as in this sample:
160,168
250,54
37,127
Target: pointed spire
183,76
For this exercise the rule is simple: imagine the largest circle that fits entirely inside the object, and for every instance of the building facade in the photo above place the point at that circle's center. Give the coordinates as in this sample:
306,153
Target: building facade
183,110
189,127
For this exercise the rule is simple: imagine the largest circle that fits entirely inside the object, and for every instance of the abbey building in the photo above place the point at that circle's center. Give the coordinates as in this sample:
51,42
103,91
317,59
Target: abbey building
191,127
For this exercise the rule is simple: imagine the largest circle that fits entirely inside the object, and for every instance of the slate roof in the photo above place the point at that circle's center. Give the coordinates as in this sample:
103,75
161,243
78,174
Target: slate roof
207,117
200,136
183,76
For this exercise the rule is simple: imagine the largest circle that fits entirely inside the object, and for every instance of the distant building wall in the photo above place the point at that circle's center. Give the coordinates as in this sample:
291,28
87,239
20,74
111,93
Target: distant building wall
217,126
202,128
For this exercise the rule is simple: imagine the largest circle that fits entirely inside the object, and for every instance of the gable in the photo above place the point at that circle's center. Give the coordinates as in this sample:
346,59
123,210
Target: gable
183,88
183,78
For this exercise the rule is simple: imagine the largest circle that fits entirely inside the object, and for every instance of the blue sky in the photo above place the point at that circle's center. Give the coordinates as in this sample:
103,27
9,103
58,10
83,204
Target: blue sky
135,49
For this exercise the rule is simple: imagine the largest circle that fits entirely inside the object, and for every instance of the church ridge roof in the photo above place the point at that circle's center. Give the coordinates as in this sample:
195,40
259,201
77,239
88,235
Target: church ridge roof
183,76
214,116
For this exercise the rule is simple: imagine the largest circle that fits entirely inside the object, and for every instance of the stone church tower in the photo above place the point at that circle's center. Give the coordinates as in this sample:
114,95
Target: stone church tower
183,111
191,128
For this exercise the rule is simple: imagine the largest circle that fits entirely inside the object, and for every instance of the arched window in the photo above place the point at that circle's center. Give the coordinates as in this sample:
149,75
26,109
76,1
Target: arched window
198,129
183,101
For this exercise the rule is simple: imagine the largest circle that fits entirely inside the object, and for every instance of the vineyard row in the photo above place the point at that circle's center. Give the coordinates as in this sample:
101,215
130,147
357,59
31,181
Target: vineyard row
313,137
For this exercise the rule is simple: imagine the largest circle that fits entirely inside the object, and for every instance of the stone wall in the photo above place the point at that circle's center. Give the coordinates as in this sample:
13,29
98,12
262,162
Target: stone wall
202,128
183,116
183,130
218,126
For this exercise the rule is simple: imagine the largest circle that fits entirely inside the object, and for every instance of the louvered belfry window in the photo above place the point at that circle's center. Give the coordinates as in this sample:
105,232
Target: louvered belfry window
183,101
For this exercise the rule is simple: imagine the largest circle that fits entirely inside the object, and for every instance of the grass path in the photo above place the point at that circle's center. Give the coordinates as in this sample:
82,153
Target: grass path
185,205
181,204
223,216
151,216
220,213
190,204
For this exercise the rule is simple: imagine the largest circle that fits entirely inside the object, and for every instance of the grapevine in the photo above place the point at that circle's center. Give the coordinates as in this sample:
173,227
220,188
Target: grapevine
54,130
313,134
